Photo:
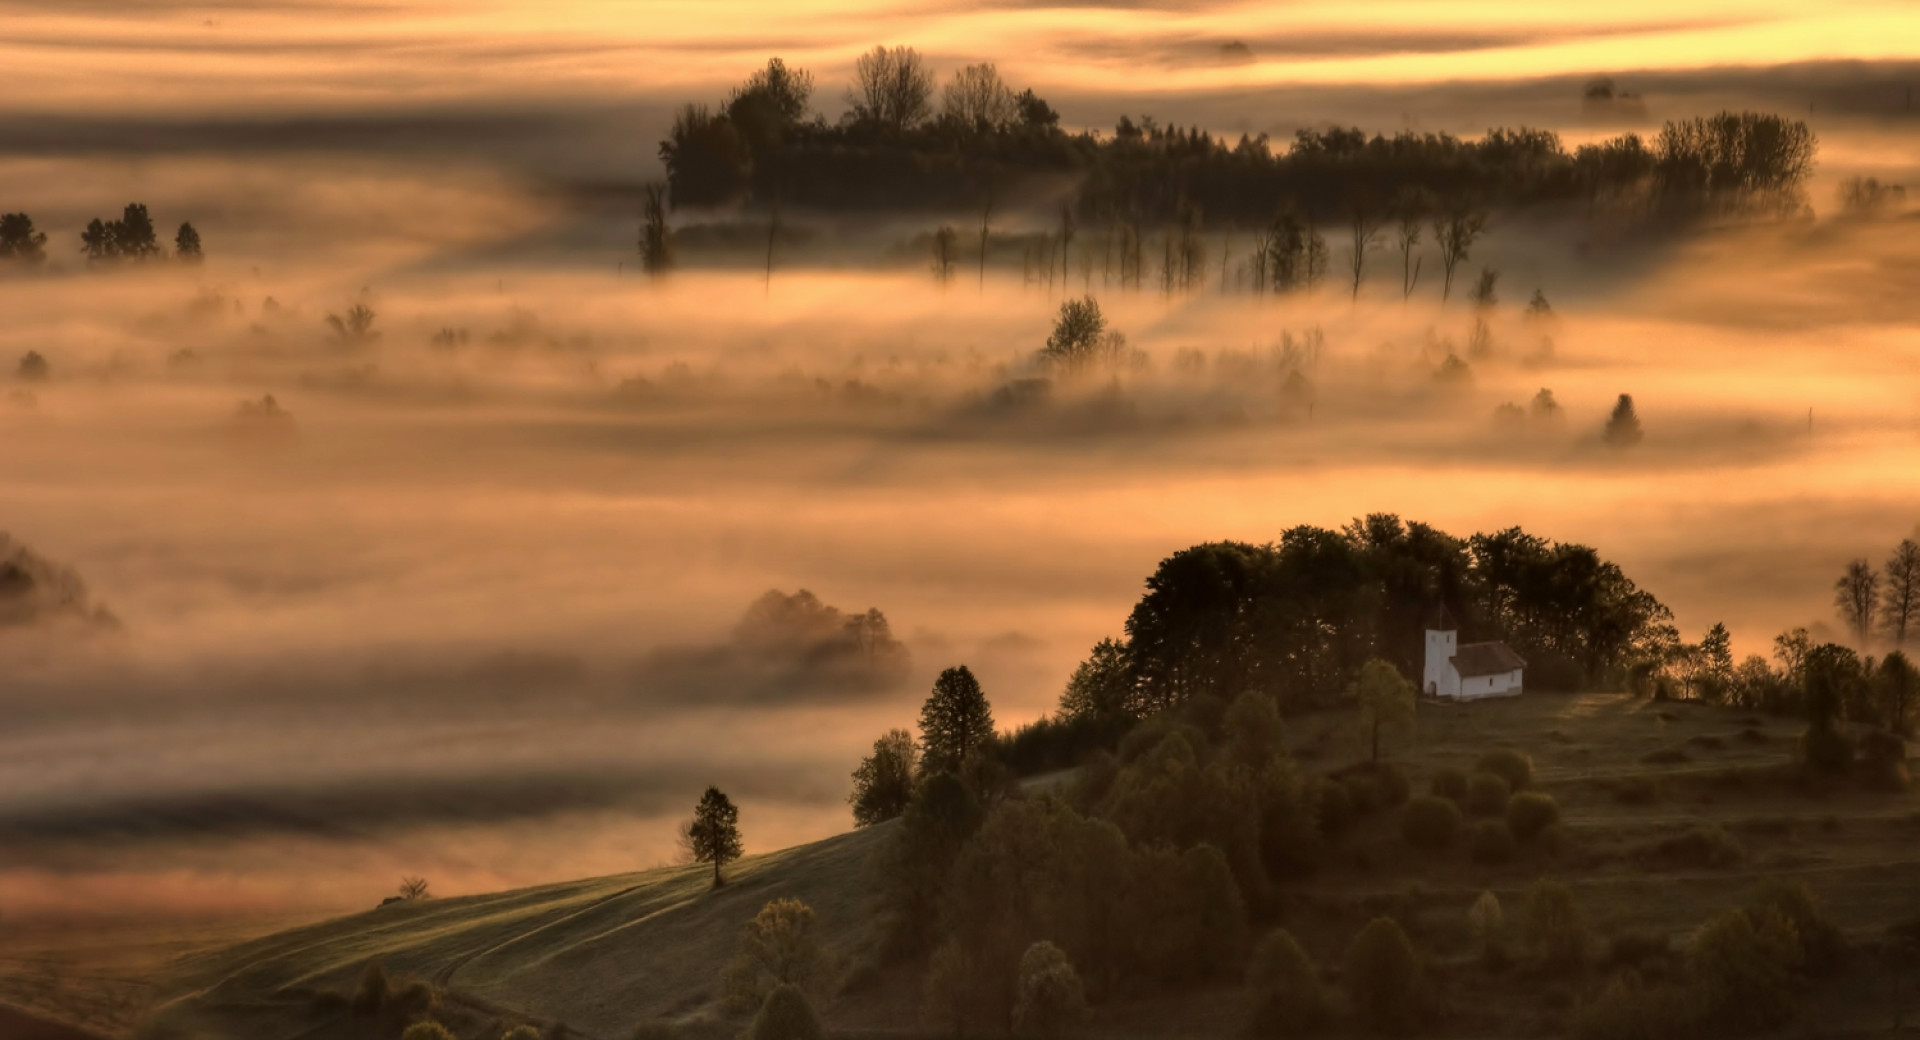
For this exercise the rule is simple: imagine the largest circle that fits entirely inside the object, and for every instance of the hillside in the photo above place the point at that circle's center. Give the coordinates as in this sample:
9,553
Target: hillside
1635,780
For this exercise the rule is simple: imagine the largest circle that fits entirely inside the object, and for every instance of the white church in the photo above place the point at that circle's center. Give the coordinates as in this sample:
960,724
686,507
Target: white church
1471,672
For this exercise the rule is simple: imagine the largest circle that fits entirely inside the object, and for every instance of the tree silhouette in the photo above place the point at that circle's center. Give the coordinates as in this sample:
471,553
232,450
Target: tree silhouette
19,242
33,368
892,88
883,783
955,722
1456,232
186,245
355,328
1623,426
714,833
1900,594
136,237
1409,210
946,252
976,99
1363,227
656,238
1856,595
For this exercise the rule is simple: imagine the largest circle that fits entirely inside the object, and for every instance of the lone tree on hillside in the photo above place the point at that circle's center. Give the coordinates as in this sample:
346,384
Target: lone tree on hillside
713,835
892,88
1900,596
1623,426
883,785
1385,698
186,245
955,722
1857,597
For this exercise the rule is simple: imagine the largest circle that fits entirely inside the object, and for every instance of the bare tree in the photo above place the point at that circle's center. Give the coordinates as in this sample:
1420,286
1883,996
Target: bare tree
1067,228
1456,233
1900,597
656,238
1857,597
892,87
1410,208
1363,225
946,250
977,99
1315,257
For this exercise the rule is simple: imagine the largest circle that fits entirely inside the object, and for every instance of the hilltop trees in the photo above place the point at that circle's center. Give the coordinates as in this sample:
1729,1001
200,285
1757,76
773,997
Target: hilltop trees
976,99
19,242
892,88
955,723
713,835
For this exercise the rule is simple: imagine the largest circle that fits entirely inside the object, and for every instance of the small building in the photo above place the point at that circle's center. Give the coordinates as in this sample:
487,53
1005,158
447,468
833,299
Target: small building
1470,672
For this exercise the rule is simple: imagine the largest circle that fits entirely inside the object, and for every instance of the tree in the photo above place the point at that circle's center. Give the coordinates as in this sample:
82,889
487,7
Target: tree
33,368
1363,227
1856,595
1623,425
779,947
135,237
1409,209
413,888
1049,1000
946,251
1101,687
1383,977
1455,233
955,723
771,101
1078,334
19,242
656,238
978,100
1385,699
1716,651
1900,593
714,832
355,327
1485,291
883,784
1288,997
186,245
892,88
1899,686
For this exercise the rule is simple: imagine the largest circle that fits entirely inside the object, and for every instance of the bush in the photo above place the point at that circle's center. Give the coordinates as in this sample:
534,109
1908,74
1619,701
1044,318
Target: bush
1512,766
412,1000
1487,794
1430,823
1820,941
1635,949
1288,997
1628,1009
1883,761
428,1031
1049,1000
371,995
1491,841
1489,923
780,945
786,1016
1701,846
1383,977
1555,931
1450,784
1531,812
1375,785
1826,750
1640,789
1744,970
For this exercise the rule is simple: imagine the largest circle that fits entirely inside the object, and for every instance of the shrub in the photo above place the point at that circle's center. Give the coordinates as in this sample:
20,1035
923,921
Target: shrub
1883,761
428,1031
1555,931
1628,1009
1487,794
1395,789
1512,766
1744,970
1375,785
1450,784
1288,997
1820,941
1826,750
525,1032
1640,789
786,1016
1702,846
1491,841
1489,923
1430,823
1383,977
412,1000
371,995
1049,999
1531,812
780,945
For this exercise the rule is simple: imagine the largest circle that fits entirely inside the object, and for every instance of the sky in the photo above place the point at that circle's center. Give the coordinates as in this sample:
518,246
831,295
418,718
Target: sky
467,601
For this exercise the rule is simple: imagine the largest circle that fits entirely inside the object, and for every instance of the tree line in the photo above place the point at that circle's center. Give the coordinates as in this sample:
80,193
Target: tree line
908,142
132,237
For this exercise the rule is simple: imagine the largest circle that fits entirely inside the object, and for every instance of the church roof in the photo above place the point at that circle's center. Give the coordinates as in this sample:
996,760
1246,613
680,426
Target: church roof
1476,659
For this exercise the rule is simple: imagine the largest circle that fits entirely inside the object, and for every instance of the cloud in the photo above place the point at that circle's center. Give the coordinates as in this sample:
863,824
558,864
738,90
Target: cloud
786,649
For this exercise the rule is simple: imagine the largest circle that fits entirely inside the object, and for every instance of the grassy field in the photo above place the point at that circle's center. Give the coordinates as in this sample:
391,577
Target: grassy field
603,955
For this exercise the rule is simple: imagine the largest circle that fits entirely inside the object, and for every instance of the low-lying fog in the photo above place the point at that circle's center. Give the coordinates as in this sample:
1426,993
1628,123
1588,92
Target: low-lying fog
478,595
